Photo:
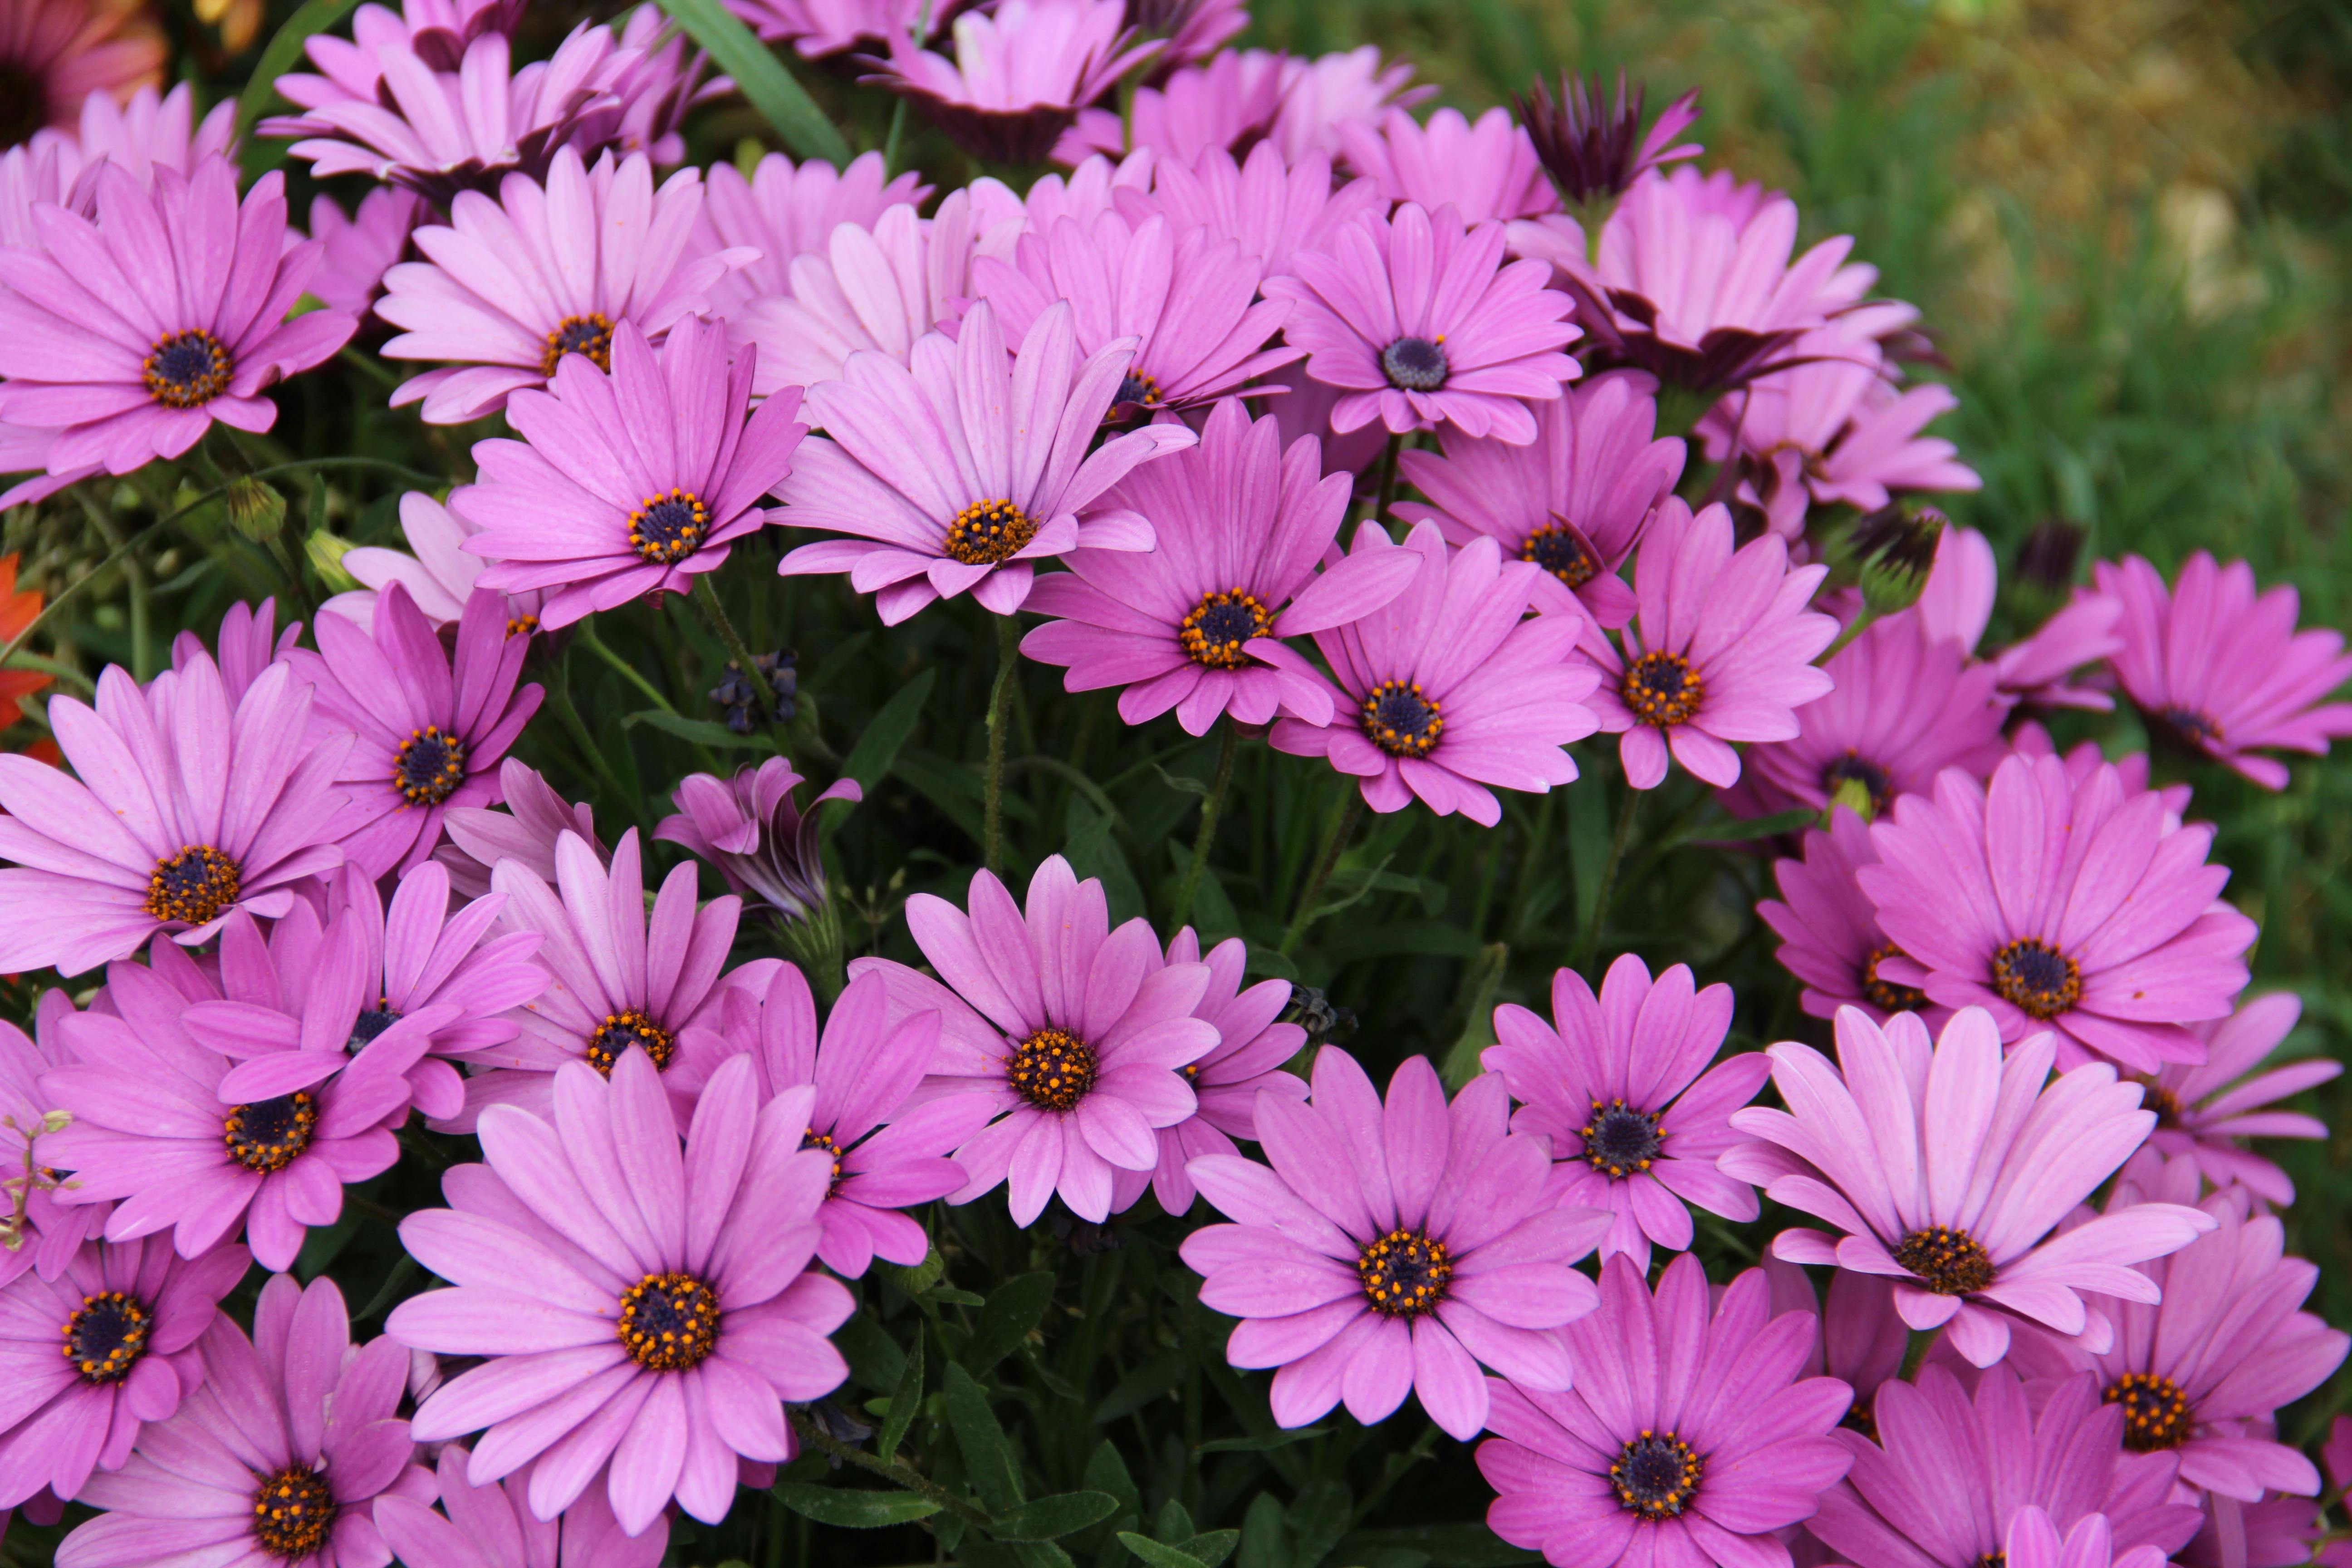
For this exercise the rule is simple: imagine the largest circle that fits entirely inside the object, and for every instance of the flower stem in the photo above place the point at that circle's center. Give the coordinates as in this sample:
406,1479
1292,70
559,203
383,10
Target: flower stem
1000,711
1312,894
895,1472
1211,809
707,596
1862,619
1384,488
1589,945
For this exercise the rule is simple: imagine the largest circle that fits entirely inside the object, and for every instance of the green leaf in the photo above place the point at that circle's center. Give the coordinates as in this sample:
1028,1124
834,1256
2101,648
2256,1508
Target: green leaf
1264,1542
878,747
1011,1311
1157,1554
906,1400
1180,783
987,1456
761,78
285,51
851,1508
1211,1547
1736,832
1453,1545
1049,1518
1461,1064
1106,1472
949,1296
1174,1523
1139,1388
956,790
1093,852
1261,1445
1317,1519
706,731
921,1278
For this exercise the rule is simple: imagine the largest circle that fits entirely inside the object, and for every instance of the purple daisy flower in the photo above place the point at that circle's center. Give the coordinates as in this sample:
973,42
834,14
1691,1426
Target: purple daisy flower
145,131
621,974
2277,1532
248,642
1595,150
1245,1062
2202,1111
1948,1166
1487,171
2033,1542
818,28
755,833
1185,297
628,482
130,334
356,250
1864,1339
1021,73
966,470
431,732
635,1304
535,817
1422,322
1073,1035
492,1526
1830,936
65,52
1451,689
1689,1438
1227,101
1322,94
1391,1248
2218,668
851,1085
1271,209
1197,622
2059,903
784,211
152,1119
1574,501
1722,649
130,1314
279,1457
1617,1086
38,1232
510,288
1948,1473
187,806
436,569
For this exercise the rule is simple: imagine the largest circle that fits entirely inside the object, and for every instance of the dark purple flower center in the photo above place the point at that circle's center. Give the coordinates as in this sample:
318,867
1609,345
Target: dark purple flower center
521,625
1404,1273
292,1511
1416,365
106,1336
1137,390
1619,1141
668,527
194,886
2037,977
1884,994
987,532
2192,729
187,370
429,766
621,1030
1051,1070
2155,1097
1399,721
24,106
1560,549
831,1147
270,1134
1868,774
669,1322
1947,1260
1661,689
368,1025
1656,1475
1219,626
591,334
2156,1411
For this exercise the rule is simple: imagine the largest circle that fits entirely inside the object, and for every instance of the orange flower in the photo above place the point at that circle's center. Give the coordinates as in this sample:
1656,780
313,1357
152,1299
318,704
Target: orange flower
17,612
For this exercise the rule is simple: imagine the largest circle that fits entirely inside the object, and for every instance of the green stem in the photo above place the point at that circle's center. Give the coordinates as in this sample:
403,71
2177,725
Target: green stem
1325,863
1387,492
1211,809
1397,1466
375,370
583,633
707,596
1588,944
1915,1352
1863,617
559,699
134,583
895,1472
1008,657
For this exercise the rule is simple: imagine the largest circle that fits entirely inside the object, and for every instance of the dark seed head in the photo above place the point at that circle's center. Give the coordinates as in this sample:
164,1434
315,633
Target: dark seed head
1863,772
106,1336
1619,1141
270,1134
1404,1273
1400,720
375,1021
194,886
292,1511
1656,1475
1051,1070
1947,1260
1416,365
1561,549
1220,627
2037,977
621,1030
1884,994
187,370
1661,689
987,532
429,766
591,334
669,1322
670,527
2156,1411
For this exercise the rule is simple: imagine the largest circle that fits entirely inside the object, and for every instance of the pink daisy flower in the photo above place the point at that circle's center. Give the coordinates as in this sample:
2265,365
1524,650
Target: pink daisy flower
431,731
1721,650
636,1303
851,1086
151,1121
1218,105
1021,73
1574,501
1594,148
1487,171
357,250
1948,1474
2203,1112
621,976
48,1233
2062,903
60,52
1321,95
2038,670
527,831
1076,1076
1196,623
965,470
1864,1339
185,807
630,481
1194,29
1245,1062
1271,209
491,1526
1391,1248
130,1315
1623,1087
755,833
248,644
819,28
1422,322
145,132
1690,1438
280,1456
125,372
2034,1542
1187,300
1454,686
1948,1166
2277,1532
1306,410
1830,936
436,569
783,210
512,288
2222,671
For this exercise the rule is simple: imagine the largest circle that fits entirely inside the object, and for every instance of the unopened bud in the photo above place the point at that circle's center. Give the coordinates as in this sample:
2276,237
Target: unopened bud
921,1278
326,551
1888,555
57,1120
257,511
2050,552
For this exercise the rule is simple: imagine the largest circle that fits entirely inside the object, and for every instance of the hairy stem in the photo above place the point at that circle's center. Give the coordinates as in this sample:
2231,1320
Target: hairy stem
1000,710
1211,810
1325,863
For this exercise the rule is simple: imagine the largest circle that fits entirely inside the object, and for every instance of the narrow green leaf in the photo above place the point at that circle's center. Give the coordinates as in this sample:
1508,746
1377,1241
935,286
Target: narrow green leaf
851,1508
1049,1518
1317,1519
1011,1311
1264,1443
1721,831
1156,1554
906,1400
1180,783
877,748
1452,1545
285,51
1174,1524
1265,1542
1106,1472
875,1358
707,731
949,1296
987,1456
1139,1388
1211,1547
761,78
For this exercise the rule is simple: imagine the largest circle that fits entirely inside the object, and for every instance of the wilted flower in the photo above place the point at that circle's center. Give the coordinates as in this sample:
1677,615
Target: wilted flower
1019,76
1593,149
755,833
